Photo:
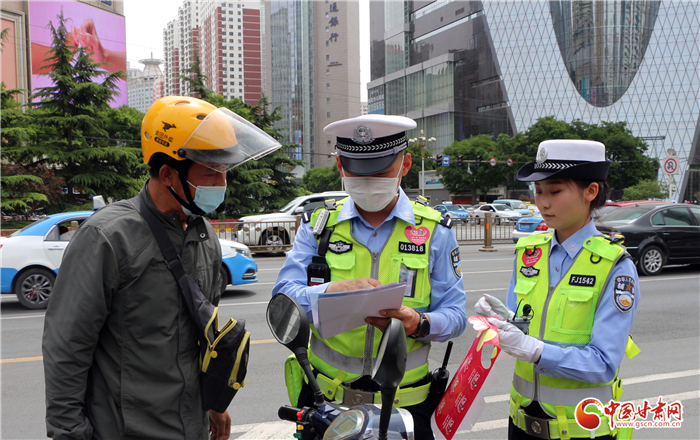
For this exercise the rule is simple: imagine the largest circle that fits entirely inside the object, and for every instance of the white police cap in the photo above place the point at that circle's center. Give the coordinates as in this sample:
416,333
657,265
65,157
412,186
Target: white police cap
567,159
369,144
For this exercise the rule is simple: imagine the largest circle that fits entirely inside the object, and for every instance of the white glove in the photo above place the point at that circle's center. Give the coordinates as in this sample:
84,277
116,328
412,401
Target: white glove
516,343
491,306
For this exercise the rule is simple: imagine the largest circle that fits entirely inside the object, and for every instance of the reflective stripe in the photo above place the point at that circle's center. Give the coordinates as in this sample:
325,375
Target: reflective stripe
355,365
524,387
572,396
561,396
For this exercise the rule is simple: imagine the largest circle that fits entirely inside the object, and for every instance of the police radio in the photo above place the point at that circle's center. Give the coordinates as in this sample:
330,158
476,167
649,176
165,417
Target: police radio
318,271
523,323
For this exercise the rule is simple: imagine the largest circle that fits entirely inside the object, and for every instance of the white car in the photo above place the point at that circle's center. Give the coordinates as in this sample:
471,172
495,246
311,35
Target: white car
31,258
279,228
500,212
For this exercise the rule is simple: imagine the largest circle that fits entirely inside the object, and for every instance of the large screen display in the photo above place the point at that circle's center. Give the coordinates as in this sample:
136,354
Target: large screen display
100,31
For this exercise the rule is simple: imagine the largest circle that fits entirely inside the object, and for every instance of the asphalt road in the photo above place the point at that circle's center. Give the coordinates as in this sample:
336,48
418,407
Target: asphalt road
667,330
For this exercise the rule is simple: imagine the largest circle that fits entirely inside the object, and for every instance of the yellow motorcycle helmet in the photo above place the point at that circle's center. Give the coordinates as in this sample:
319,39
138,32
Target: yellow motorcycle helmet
186,128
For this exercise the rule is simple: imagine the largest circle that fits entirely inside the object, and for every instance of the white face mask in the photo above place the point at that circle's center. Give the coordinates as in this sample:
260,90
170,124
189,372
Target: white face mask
372,194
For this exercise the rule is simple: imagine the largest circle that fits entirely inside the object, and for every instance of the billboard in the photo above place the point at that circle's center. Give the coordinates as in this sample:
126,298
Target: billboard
101,31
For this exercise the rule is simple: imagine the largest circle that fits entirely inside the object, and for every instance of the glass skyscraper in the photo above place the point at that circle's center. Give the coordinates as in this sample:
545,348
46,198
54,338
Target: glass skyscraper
589,60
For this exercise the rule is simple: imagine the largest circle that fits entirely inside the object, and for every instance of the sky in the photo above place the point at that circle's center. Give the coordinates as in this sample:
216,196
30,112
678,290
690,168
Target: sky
146,19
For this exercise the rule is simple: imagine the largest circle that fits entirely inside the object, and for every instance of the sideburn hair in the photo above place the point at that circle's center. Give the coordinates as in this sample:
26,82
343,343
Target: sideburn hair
603,191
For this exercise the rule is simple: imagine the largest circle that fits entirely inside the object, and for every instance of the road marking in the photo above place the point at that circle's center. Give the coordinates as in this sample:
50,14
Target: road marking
630,381
285,430
24,359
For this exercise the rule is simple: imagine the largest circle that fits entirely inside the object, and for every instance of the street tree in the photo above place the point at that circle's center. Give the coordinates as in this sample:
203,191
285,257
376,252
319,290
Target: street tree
196,80
70,124
322,179
469,179
646,189
28,189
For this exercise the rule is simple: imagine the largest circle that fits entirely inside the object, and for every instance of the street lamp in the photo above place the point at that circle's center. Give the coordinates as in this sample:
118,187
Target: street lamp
422,141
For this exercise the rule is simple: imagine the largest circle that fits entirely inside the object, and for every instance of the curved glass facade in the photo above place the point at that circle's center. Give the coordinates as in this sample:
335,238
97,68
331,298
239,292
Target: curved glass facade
602,44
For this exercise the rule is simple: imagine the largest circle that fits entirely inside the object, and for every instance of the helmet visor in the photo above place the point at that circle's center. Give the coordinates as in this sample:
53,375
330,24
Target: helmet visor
226,139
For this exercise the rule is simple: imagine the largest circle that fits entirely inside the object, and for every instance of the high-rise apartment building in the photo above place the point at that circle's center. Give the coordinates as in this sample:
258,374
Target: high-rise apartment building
227,38
463,68
314,67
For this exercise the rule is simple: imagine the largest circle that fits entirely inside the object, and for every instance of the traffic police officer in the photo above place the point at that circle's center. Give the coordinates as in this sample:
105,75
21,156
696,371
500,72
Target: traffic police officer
374,237
582,288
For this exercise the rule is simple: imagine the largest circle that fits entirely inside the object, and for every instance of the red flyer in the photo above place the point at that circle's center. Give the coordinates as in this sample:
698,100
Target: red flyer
464,388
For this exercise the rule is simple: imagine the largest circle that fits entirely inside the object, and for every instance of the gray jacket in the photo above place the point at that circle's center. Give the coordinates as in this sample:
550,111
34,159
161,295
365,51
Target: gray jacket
120,352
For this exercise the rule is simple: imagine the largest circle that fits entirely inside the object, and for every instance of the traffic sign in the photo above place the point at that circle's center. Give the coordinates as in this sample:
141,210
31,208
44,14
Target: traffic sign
445,161
509,162
670,165
493,161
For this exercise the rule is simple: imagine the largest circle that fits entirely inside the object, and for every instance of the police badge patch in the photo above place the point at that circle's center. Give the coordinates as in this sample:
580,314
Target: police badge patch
623,293
339,247
456,262
529,271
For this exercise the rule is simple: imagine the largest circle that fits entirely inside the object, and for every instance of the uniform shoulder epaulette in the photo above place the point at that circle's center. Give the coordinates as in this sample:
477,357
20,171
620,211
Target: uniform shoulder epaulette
306,217
446,222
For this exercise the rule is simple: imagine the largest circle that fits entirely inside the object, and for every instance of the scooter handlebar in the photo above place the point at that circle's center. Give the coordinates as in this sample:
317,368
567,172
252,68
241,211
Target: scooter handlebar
288,413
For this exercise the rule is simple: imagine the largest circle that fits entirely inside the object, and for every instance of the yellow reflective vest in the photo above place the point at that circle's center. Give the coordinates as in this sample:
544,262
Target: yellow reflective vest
563,316
350,355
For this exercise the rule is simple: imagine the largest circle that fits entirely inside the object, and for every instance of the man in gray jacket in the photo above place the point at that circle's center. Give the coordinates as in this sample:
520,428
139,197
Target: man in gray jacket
120,349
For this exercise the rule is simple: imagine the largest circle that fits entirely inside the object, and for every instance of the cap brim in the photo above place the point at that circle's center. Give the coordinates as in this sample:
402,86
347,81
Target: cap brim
367,167
585,171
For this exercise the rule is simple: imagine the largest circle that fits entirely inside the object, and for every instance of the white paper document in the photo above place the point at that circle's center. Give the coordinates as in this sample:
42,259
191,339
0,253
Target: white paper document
338,312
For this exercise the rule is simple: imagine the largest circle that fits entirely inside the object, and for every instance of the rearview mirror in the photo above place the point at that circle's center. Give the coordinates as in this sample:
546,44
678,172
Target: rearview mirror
389,370
289,324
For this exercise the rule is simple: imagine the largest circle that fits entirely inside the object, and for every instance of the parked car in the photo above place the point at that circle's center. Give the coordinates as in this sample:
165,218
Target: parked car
31,258
6,217
278,228
499,210
656,234
467,207
612,206
452,211
515,205
528,226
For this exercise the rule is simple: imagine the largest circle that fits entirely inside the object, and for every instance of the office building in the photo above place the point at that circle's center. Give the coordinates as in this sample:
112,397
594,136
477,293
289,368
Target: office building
502,65
314,54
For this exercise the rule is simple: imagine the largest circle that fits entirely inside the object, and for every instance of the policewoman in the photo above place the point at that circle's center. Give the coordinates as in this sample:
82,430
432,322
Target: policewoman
583,291
375,237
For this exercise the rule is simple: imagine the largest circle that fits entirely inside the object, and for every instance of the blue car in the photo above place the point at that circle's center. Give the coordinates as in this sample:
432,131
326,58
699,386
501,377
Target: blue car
31,258
528,226
452,211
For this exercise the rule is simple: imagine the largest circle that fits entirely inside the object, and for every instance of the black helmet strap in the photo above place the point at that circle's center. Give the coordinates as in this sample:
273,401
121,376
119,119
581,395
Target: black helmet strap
182,169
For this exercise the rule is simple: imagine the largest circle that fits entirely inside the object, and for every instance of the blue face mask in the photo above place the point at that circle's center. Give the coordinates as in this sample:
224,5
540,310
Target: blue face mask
207,198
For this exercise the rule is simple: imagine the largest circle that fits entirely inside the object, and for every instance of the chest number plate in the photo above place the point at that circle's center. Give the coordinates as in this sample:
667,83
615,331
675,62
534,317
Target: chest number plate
411,248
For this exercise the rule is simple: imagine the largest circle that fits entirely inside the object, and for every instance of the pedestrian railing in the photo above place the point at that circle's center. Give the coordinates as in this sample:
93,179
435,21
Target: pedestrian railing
278,236
261,236
474,230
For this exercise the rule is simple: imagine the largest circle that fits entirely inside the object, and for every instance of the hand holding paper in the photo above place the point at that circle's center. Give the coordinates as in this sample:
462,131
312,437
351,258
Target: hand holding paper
338,312
408,317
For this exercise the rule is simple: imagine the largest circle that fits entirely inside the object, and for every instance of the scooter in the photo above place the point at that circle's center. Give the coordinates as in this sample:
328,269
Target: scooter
330,421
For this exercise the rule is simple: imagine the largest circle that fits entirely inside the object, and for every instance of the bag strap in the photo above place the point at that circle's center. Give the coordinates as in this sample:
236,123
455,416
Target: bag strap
172,257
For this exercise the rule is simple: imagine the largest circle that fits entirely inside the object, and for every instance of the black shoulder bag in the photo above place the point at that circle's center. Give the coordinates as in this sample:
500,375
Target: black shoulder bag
223,353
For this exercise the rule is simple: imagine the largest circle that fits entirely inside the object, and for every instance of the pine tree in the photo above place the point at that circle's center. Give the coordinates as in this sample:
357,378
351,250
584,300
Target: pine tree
70,122
197,81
